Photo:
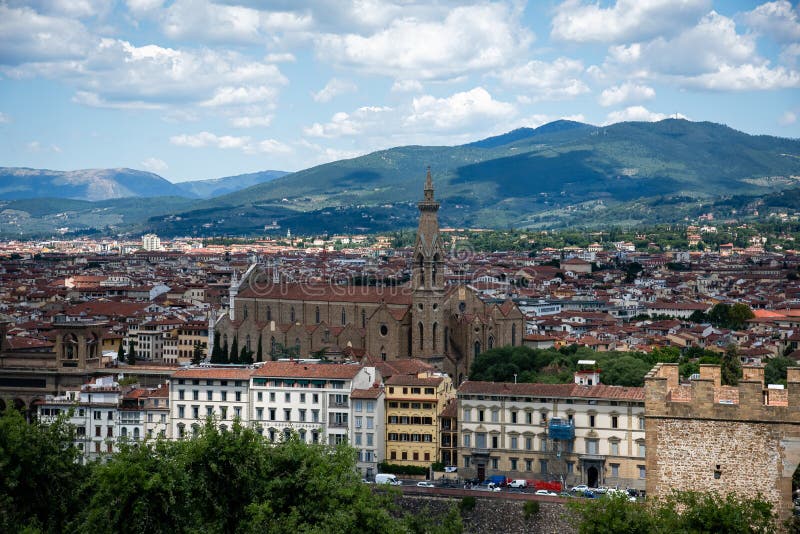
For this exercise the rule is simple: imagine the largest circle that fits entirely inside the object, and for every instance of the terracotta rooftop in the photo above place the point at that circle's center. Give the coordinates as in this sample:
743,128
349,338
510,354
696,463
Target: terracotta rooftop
600,391
308,370
214,372
371,393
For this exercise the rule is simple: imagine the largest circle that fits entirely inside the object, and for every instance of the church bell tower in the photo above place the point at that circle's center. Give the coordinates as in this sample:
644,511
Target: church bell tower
427,282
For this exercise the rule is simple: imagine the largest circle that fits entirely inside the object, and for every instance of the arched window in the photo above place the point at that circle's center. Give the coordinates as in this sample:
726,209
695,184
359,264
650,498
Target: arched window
383,353
316,315
491,342
363,318
513,334
244,312
477,348
421,335
344,317
434,332
124,432
291,315
269,313
421,271
136,433
434,269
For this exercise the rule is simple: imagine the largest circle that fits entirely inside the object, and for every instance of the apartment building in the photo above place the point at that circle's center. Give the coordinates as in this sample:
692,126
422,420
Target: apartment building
93,411
310,398
195,394
368,429
413,405
144,413
571,433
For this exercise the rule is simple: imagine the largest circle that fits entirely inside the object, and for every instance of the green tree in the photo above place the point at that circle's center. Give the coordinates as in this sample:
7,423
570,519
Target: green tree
687,512
731,366
245,356
233,355
121,352
624,371
197,354
775,370
216,351
132,354
40,474
738,315
259,351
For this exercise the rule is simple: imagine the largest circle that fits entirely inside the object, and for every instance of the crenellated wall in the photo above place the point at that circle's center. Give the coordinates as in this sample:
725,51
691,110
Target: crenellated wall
705,436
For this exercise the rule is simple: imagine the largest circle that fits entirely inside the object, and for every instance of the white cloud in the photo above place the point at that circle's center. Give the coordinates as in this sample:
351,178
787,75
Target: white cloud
26,36
67,8
245,143
251,122
280,58
143,7
470,38
93,100
548,81
777,20
36,146
226,96
334,88
625,93
638,113
626,20
155,165
787,118
458,110
362,120
406,86
745,78
790,53
210,22
4,118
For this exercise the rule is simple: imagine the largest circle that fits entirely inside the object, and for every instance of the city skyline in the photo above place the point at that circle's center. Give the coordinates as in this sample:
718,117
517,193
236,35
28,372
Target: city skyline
194,89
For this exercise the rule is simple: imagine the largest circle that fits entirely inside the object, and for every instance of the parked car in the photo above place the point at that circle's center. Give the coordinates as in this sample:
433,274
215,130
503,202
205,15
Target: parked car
589,494
491,486
518,483
425,484
386,478
547,493
580,487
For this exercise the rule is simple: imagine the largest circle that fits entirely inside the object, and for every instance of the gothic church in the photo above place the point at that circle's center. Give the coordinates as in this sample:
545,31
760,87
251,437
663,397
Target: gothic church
446,326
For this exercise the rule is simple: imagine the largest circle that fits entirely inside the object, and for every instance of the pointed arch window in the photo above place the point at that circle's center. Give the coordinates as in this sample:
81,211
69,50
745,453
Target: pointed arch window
434,332
421,271
363,318
490,343
344,317
477,348
421,335
244,312
291,315
513,334
269,313
316,315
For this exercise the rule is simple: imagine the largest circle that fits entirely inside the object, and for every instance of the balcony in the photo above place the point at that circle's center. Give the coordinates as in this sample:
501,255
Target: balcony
338,424
480,451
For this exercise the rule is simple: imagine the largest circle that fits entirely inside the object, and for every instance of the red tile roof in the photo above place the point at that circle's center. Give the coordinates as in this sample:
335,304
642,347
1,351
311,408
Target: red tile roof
600,391
215,372
308,370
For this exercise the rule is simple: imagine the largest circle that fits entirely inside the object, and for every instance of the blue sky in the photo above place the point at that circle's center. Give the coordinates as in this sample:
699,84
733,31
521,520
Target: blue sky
196,89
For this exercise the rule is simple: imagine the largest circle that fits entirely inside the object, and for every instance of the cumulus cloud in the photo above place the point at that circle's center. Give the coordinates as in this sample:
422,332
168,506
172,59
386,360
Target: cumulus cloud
625,20
406,86
778,20
332,89
364,119
155,165
548,81
93,100
251,122
4,118
226,96
36,146
638,113
469,38
245,144
458,110
745,78
143,7
68,8
625,93
27,36
209,22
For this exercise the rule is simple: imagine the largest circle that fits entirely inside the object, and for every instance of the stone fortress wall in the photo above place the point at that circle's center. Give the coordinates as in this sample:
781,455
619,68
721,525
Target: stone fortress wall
708,437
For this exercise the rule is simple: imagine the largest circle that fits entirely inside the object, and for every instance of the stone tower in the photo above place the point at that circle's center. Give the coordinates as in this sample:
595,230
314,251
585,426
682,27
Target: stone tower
427,282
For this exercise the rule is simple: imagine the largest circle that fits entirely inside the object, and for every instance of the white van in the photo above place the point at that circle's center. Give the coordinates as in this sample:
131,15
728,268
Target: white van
520,484
385,478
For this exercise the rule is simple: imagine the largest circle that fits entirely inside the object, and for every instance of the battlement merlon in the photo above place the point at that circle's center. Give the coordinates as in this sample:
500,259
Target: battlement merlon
706,398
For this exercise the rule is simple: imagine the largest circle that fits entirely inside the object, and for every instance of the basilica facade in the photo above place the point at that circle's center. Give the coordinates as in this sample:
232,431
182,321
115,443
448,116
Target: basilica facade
446,326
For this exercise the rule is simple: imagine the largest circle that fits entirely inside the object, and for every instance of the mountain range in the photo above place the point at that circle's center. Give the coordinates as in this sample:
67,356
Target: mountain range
564,173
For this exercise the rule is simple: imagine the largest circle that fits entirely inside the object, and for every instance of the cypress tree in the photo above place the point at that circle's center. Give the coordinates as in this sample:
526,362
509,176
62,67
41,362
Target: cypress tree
234,353
259,351
121,353
132,355
216,351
